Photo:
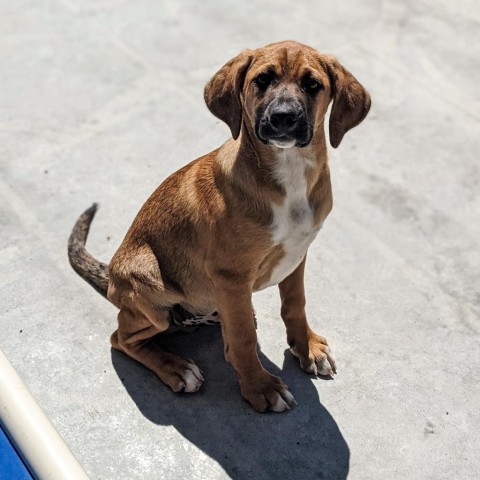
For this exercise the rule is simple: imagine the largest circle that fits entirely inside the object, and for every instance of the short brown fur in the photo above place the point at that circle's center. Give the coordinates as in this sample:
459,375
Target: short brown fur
203,239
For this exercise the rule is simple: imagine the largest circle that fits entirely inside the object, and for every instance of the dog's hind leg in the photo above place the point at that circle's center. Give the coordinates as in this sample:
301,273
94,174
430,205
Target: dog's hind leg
134,337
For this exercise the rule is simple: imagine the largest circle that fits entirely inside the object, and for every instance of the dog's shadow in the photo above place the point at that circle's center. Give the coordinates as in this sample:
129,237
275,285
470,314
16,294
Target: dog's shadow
302,443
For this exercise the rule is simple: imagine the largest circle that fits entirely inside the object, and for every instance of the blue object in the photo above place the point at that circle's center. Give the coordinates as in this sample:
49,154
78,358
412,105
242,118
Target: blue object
11,465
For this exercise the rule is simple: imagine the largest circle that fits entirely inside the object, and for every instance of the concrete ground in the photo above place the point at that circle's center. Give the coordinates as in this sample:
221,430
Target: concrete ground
101,100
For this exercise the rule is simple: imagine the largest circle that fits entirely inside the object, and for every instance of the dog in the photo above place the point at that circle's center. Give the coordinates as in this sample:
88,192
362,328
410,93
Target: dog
235,221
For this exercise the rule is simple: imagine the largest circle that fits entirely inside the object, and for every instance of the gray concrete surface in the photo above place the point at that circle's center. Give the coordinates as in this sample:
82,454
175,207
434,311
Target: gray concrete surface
101,100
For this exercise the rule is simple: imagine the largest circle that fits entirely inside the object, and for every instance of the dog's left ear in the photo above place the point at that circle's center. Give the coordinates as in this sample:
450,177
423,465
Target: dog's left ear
351,102
222,92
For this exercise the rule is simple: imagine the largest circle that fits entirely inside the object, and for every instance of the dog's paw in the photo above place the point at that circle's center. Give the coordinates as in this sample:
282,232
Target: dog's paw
184,376
320,360
192,378
267,393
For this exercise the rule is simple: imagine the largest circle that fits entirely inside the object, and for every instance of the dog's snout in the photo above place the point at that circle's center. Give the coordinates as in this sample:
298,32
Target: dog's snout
284,119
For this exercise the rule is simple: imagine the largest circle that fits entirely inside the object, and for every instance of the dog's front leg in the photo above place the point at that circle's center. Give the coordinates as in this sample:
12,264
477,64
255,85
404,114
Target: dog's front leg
311,349
263,390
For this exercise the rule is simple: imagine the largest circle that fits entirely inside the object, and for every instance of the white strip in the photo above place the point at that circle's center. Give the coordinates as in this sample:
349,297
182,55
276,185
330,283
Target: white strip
42,449
292,225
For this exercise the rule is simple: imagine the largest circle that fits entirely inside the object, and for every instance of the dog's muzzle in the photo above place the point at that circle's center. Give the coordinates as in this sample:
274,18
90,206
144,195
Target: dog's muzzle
284,125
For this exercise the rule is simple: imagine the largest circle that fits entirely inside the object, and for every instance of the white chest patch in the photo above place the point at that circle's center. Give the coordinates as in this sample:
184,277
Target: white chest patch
292,225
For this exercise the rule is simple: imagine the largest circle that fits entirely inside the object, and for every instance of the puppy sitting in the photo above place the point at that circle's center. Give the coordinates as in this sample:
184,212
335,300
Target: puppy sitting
235,221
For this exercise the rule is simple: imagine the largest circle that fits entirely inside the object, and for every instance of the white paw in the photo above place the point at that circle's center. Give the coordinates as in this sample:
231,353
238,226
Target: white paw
284,401
322,363
326,365
192,378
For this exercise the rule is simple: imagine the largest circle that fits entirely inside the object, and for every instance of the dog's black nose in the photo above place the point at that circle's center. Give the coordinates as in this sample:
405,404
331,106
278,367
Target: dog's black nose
284,119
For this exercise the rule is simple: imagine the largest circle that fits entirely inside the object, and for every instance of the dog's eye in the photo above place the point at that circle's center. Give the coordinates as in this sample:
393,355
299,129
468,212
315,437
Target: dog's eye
264,80
311,85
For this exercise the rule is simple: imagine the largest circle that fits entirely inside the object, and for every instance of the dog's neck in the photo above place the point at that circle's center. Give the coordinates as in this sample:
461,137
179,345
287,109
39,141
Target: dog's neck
250,160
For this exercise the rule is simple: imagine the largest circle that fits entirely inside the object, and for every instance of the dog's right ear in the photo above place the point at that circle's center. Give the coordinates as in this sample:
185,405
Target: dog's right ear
222,92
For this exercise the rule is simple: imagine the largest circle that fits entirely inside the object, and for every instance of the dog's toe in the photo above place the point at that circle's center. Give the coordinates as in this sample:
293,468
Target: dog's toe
325,365
182,375
281,401
192,378
280,405
269,393
320,360
311,368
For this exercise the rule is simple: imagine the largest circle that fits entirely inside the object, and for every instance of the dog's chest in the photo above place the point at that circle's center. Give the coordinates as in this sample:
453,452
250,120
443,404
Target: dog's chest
292,226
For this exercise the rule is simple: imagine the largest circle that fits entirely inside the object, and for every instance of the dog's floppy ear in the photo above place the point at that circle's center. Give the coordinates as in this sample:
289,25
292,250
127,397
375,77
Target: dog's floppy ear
351,102
222,92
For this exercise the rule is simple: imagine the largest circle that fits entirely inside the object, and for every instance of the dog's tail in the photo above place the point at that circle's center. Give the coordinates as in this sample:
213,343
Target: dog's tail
91,270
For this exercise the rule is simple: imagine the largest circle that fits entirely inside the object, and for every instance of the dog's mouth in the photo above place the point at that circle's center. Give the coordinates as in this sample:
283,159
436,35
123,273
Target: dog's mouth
282,142
300,138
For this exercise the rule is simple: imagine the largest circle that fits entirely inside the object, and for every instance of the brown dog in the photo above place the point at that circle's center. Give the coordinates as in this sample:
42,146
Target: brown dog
235,221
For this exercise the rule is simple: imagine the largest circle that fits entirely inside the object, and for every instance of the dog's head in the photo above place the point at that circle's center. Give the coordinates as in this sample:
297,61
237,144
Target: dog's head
281,92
